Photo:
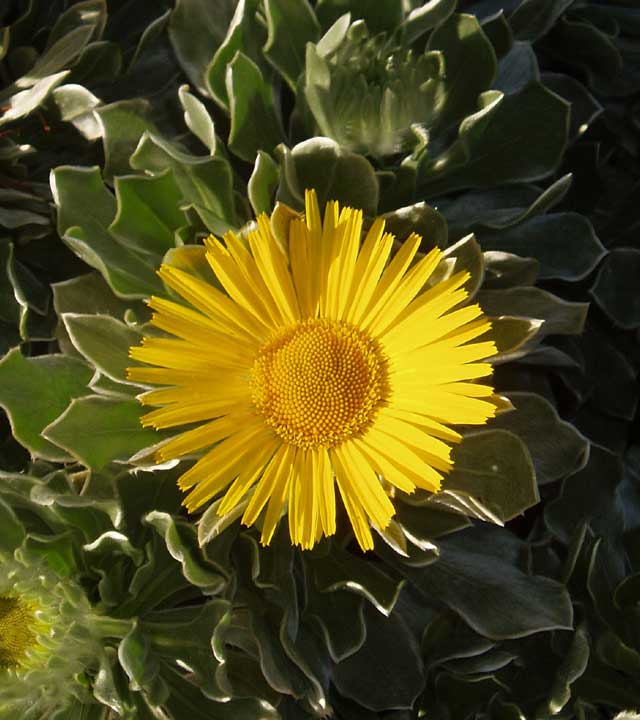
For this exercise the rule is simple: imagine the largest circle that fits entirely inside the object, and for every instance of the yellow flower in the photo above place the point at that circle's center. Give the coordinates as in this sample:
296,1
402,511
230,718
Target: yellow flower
324,363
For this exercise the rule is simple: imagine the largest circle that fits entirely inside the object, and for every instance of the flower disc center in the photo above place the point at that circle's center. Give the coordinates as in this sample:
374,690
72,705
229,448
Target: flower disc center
319,382
17,621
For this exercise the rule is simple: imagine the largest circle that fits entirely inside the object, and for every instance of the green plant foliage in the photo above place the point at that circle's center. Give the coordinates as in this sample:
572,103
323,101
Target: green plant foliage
504,132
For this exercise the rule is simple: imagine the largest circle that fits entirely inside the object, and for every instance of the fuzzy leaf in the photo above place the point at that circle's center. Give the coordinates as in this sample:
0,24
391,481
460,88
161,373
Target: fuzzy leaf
495,467
470,65
196,29
616,287
263,183
473,577
512,137
98,430
254,123
148,213
560,317
291,25
104,341
34,391
335,173
85,210
365,677
557,448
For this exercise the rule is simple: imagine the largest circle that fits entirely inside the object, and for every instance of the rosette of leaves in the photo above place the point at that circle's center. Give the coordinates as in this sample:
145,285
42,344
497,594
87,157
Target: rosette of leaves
68,70
310,627
108,609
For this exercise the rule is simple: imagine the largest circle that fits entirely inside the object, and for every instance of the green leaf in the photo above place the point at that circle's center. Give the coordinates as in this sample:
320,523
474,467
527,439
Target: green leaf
103,341
98,430
365,676
243,35
123,124
498,30
24,102
263,183
339,570
207,181
148,213
340,618
85,210
142,665
615,287
511,334
511,138
573,664
254,123
504,270
475,578
586,496
198,119
34,391
560,317
564,244
12,531
196,29
495,467
182,544
419,218
557,448
291,25
470,66
534,18
426,17
335,173
91,294
76,105
381,16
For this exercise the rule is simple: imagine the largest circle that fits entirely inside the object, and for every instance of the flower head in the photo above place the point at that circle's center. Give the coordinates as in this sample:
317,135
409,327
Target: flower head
45,642
372,95
324,363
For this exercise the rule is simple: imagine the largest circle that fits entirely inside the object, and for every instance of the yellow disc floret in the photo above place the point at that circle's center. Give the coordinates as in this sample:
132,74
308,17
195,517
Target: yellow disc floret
319,382
17,630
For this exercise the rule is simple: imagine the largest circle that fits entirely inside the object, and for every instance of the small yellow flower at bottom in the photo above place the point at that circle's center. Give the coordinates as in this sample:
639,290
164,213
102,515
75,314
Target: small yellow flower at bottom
326,363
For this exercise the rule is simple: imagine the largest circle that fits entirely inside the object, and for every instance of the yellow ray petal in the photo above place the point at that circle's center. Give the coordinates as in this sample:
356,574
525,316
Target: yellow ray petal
274,469
221,465
213,303
235,282
186,413
400,474
340,278
202,436
390,279
272,265
362,481
325,491
384,467
304,276
246,263
403,456
325,252
431,426
181,355
409,287
278,496
414,323
430,376
445,406
248,476
355,511
439,453
303,513
369,266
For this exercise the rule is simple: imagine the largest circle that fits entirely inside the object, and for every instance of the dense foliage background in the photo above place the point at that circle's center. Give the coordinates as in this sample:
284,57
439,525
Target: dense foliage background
506,131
